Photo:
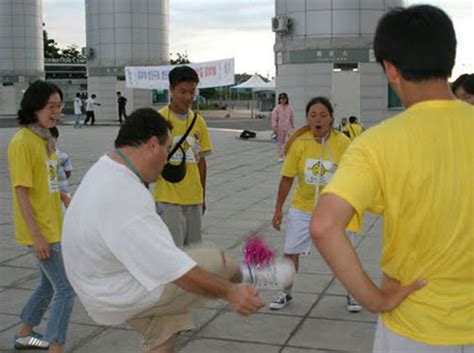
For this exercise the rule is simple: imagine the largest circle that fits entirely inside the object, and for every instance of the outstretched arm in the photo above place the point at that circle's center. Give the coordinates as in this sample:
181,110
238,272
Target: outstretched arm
243,298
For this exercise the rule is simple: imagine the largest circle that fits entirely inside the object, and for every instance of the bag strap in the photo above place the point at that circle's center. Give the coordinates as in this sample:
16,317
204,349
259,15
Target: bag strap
183,138
353,132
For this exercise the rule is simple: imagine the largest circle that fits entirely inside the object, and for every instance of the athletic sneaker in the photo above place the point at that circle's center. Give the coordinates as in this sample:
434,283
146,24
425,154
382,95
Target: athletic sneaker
32,341
352,305
278,274
280,301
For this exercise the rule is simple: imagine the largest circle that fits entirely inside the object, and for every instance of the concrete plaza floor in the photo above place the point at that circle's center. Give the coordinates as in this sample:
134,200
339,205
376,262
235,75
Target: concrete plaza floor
243,178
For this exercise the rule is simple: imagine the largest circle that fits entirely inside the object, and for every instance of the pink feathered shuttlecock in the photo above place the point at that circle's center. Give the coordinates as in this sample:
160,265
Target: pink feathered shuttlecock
257,252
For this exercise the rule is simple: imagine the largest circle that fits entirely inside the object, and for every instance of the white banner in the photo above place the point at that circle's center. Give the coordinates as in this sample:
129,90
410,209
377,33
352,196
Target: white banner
211,74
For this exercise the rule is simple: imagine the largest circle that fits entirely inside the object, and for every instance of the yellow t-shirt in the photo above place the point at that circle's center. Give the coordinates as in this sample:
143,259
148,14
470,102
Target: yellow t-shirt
314,165
189,190
353,130
31,167
417,170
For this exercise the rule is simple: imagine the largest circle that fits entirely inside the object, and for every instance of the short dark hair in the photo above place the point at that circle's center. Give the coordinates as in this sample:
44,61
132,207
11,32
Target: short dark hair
78,94
36,98
321,100
182,74
140,126
93,95
54,131
118,92
466,81
419,41
352,119
283,94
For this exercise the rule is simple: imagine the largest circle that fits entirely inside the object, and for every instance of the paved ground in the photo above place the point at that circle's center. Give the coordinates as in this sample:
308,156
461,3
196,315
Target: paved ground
237,119
243,179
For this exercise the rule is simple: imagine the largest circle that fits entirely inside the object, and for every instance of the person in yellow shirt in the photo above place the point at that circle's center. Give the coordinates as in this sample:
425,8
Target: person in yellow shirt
415,170
312,156
37,216
353,129
181,204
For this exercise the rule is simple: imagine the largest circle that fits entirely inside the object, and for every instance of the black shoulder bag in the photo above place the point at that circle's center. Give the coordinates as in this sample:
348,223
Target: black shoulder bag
174,173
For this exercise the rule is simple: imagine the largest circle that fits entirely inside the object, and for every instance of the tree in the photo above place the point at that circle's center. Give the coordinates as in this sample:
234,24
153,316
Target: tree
51,50
72,52
181,59
208,93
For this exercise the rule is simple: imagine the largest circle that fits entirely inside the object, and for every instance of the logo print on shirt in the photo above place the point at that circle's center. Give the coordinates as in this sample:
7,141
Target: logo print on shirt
52,172
318,169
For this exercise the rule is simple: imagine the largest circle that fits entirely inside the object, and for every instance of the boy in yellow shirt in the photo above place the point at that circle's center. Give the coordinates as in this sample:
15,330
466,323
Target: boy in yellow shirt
416,171
182,204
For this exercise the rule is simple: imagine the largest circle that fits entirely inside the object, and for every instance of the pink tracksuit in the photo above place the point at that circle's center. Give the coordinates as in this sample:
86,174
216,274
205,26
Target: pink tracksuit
283,121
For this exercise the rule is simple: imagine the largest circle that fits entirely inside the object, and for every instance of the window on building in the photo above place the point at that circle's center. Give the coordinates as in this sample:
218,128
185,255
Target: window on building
345,67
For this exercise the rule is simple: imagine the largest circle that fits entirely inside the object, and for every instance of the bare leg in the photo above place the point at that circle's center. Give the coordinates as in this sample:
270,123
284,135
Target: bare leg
55,348
25,330
166,347
295,258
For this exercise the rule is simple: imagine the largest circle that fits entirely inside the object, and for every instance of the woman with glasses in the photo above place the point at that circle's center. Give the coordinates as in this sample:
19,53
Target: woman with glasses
37,216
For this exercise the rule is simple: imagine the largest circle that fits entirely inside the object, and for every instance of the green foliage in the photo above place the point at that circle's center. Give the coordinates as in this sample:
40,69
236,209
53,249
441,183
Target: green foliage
180,59
71,52
208,93
51,50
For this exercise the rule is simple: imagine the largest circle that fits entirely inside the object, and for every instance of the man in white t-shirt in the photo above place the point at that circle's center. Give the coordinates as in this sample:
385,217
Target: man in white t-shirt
77,110
120,257
90,114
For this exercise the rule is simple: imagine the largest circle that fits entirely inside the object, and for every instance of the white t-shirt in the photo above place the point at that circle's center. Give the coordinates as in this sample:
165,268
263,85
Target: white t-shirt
77,106
89,104
117,251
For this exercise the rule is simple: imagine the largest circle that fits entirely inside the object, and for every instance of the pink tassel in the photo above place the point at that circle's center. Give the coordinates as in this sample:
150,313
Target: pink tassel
257,252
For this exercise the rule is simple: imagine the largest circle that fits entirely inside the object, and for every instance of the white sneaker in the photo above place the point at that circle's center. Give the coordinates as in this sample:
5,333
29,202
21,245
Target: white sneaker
281,160
278,274
280,301
33,341
352,305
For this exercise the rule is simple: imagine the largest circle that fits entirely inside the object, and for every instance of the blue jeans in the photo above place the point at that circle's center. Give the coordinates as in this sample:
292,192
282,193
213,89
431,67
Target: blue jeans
54,287
77,120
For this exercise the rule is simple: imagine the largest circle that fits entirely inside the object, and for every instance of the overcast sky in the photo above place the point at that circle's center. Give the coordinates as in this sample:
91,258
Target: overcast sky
213,29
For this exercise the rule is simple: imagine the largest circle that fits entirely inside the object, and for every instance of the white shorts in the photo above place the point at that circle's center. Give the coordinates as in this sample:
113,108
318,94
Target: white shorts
386,341
298,240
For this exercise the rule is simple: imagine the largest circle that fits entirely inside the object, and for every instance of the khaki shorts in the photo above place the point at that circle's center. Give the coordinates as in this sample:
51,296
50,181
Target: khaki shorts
173,312
183,221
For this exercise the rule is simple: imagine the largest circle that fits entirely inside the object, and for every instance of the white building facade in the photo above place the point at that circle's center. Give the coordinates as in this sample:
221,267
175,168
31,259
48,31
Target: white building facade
123,33
21,50
324,48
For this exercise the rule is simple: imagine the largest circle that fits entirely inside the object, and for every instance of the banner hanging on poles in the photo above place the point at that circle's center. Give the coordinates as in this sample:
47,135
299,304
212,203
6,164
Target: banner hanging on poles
211,74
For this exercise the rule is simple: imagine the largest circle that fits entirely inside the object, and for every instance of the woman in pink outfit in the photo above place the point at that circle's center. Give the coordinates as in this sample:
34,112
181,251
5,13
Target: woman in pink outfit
283,121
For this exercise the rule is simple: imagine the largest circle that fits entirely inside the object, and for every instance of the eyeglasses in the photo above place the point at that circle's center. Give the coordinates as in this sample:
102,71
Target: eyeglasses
52,106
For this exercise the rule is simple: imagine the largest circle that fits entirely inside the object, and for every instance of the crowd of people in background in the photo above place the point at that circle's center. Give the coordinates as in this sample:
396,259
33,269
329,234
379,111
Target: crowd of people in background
125,248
